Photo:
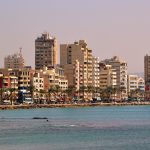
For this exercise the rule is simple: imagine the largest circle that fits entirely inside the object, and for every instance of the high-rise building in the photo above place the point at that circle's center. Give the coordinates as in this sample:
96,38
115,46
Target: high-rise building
46,51
147,76
77,61
147,69
15,61
121,72
96,72
107,76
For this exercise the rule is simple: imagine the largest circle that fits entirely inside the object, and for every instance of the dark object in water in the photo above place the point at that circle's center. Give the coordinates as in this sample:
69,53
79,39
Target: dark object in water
40,118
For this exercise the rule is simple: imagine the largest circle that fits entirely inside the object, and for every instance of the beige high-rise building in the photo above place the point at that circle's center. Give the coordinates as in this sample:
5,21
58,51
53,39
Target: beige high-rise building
15,61
46,51
96,72
77,61
121,71
107,77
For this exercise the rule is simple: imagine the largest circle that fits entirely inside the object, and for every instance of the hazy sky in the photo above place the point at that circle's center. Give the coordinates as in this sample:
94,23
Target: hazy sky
110,27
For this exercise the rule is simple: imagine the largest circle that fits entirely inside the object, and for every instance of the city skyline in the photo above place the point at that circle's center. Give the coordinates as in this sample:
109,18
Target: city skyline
110,28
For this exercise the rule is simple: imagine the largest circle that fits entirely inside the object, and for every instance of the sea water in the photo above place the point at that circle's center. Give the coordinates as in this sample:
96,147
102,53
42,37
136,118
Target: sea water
88,128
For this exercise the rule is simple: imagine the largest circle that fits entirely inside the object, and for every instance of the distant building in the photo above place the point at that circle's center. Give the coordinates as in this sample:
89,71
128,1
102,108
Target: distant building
46,51
15,61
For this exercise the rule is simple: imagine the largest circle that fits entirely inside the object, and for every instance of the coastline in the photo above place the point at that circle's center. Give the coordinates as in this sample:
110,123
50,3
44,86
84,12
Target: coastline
33,106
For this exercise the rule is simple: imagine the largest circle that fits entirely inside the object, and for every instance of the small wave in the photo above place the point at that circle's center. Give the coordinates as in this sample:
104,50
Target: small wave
72,125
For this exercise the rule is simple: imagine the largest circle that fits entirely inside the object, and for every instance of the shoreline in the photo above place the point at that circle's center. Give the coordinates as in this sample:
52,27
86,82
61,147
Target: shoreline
34,106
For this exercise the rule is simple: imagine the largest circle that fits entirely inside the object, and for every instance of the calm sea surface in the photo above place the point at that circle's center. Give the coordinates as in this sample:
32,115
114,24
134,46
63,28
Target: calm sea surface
90,128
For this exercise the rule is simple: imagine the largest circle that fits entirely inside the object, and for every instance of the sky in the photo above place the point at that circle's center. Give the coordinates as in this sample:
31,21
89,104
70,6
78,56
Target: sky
110,27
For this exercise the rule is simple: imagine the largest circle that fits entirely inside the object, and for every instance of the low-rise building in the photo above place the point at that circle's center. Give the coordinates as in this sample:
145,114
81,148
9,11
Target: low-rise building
136,86
38,82
54,77
24,77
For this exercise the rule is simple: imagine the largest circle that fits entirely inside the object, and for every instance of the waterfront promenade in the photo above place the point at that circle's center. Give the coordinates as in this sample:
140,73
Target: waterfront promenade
30,106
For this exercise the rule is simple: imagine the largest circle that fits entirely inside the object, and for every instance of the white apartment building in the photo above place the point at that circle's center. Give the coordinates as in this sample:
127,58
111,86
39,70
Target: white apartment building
141,83
38,82
135,82
132,82
96,72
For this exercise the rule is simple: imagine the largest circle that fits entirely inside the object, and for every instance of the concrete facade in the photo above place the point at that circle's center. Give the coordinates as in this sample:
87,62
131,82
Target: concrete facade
70,54
147,69
121,72
15,61
77,60
107,77
96,72
54,77
46,51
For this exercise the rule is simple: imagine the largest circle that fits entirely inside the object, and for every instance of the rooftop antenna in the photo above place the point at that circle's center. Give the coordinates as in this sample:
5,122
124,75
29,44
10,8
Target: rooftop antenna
20,51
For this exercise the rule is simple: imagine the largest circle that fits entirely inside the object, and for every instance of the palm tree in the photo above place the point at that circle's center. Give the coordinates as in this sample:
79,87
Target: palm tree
71,89
89,90
121,90
109,92
97,91
57,90
82,90
138,93
114,92
42,95
12,95
2,90
50,91
141,94
102,93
